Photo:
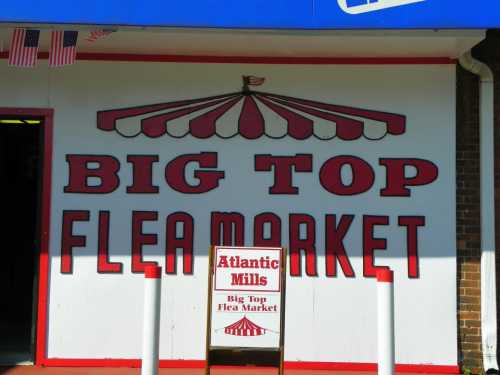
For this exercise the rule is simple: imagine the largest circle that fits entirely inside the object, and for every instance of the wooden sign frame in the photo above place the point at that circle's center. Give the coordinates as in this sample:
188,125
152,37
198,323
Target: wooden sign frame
280,349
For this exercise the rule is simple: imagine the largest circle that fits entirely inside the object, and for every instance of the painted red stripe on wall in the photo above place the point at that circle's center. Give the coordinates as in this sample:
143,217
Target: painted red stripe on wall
338,366
131,57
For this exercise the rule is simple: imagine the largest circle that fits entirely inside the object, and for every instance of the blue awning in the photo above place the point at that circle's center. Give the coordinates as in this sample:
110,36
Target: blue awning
260,14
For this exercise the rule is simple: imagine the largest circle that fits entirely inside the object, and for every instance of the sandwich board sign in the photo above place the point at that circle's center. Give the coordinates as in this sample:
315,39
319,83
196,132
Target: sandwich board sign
246,300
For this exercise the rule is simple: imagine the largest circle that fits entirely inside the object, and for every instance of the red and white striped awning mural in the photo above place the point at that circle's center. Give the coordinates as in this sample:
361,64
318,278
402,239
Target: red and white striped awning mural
251,115
244,327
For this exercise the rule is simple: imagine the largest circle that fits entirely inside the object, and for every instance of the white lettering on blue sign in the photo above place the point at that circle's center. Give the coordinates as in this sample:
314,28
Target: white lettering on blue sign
365,6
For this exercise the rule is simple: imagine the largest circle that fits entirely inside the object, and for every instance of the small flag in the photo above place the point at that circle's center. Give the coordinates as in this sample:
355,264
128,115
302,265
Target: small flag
254,81
24,48
63,48
98,34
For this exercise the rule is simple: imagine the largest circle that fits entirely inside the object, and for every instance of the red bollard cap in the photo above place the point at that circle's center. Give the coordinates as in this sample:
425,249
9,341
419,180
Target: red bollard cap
385,275
152,272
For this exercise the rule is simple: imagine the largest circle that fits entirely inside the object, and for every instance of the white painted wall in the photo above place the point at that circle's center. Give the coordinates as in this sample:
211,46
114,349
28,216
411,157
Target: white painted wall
327,319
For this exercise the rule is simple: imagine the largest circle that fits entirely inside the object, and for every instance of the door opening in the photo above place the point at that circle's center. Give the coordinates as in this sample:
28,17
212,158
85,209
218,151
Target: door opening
20,176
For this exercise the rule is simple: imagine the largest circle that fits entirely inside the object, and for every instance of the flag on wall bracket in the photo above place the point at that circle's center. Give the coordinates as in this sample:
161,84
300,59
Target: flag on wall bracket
62,48
23,51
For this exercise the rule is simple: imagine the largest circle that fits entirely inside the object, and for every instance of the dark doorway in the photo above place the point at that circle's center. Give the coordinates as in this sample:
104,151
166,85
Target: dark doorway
20,174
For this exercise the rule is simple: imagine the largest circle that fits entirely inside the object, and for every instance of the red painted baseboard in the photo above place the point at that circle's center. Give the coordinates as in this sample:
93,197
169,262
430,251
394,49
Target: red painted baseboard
195,363
349,366
110,362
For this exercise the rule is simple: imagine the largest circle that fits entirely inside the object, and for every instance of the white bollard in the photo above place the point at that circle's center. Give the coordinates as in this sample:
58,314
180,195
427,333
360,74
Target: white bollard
151,321
385,321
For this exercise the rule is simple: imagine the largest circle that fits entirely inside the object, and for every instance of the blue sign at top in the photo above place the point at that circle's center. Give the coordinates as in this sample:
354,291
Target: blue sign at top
260,14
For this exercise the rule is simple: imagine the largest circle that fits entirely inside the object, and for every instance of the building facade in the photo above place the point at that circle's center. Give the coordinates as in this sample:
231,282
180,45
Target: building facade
355,150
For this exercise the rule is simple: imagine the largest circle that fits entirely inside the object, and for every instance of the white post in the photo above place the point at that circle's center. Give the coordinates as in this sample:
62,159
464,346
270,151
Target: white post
151,321
488,276
385,321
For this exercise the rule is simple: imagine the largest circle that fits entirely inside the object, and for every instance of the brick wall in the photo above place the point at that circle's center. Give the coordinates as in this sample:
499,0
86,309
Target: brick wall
468,219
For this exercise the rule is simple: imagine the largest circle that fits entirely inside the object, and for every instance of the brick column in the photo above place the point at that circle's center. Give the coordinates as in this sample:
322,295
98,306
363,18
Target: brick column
468,218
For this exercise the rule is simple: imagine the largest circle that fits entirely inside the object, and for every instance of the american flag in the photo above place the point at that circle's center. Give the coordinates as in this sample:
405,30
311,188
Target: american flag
24,48
63,48
98,34
254,81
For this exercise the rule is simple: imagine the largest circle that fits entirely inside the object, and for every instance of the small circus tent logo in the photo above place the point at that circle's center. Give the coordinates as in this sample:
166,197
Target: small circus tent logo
252,114
244,327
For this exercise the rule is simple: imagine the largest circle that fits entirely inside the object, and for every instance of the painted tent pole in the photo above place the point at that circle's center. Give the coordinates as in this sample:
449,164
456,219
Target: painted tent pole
385,321
151,321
